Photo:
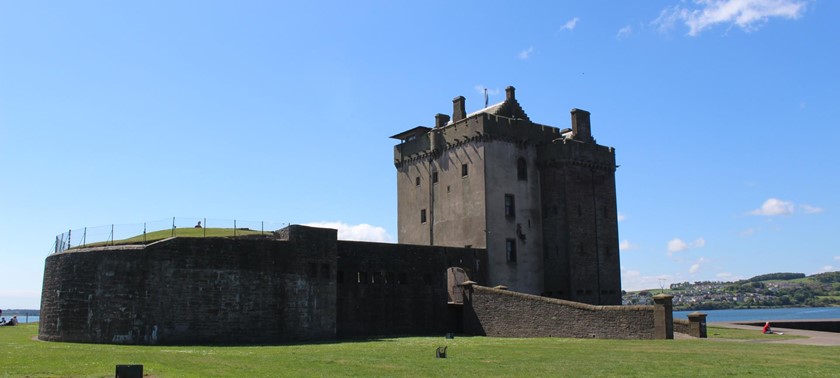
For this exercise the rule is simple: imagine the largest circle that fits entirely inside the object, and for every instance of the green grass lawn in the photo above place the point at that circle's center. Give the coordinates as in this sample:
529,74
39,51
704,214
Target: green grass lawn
181,233
20,356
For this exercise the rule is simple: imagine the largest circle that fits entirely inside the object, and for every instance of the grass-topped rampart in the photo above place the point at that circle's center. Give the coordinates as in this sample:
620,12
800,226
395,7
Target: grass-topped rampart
181,233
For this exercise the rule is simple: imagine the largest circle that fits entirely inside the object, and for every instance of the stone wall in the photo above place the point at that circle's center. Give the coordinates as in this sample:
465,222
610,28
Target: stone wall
190,290
501,313
399,289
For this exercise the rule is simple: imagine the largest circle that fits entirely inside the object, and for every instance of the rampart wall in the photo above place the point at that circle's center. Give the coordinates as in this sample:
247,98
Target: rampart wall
189,290
502,313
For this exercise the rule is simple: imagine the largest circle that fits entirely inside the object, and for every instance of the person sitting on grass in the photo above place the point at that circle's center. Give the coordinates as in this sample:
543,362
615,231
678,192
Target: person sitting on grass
12,322
767,331
2,321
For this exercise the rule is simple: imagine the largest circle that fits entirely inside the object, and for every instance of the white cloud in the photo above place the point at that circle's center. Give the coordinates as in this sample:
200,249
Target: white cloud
621,217
358,232
525,54
773,207
837,258
808,209
694,268
723,275
624,32
632,280
826,268
697,265
626,245
678,245
749,232
570,25
749,15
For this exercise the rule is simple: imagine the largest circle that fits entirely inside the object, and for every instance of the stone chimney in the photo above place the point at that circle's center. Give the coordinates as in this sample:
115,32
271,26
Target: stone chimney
580,126
459,111
510,93
441,120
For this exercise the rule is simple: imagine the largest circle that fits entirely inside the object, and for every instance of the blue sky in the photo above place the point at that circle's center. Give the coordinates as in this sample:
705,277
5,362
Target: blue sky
724,116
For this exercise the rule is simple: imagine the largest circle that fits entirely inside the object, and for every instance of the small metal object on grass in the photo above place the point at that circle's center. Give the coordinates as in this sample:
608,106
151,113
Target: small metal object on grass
441,352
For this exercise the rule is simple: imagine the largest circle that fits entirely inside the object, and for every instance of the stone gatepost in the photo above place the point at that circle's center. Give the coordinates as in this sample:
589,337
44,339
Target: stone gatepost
663,316
697,324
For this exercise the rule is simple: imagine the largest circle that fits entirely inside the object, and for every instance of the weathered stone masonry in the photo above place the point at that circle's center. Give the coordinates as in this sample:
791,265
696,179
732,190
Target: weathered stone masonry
308,286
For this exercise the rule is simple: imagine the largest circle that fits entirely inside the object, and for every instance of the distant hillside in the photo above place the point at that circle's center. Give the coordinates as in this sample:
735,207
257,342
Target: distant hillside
767,290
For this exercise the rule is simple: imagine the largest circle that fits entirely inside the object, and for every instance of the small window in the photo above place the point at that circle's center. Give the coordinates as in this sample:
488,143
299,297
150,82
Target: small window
510,249
361,277
522,169
464,170
427,278
376,278
510,205
434,177
339,276
417,181
423,216
389,278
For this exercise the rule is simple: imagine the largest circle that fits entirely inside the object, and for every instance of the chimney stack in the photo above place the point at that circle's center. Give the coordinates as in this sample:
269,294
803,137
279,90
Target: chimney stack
581,129
441,120
510,93
459,108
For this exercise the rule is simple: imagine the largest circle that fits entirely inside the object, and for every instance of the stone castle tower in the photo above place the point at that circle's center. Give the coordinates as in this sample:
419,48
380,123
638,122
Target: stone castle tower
541,200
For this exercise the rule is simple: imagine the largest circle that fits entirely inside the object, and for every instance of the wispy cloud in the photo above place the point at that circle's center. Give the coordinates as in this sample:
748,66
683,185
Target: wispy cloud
632,280
624,32
525,54
749,232
678,245
773,207
808,209
748,15
359,232
837,258
626,245
570,25
826,268
621,217
694,268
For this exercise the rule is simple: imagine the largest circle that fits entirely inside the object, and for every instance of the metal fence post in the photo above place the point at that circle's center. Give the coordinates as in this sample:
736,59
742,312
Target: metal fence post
84,237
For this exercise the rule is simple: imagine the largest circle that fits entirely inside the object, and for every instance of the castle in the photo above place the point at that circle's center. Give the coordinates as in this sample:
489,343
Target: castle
541,200
484,199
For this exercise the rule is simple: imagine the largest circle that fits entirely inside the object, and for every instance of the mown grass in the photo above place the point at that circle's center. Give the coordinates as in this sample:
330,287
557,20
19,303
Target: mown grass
20,355
744,334
181,233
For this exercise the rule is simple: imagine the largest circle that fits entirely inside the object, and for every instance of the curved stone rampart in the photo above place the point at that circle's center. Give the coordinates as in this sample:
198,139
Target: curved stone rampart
192,291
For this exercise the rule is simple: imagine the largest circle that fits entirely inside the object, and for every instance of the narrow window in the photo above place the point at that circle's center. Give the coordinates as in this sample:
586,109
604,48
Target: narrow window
522,169
339,276
423,216
361,277
389,278
464,170
510,206
376,278
510,249
417,181
434,177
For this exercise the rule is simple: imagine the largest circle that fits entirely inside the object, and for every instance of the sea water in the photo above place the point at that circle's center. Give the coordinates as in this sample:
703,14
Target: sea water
765,314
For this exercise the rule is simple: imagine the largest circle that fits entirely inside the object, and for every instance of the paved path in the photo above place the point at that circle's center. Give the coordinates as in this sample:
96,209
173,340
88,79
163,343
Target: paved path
811,337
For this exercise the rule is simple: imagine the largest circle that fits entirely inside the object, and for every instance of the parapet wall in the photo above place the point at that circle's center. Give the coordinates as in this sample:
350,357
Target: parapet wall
502,313
189,290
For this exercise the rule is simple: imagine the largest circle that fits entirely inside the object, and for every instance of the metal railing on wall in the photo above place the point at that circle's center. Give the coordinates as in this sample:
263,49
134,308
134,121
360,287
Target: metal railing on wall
149,232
